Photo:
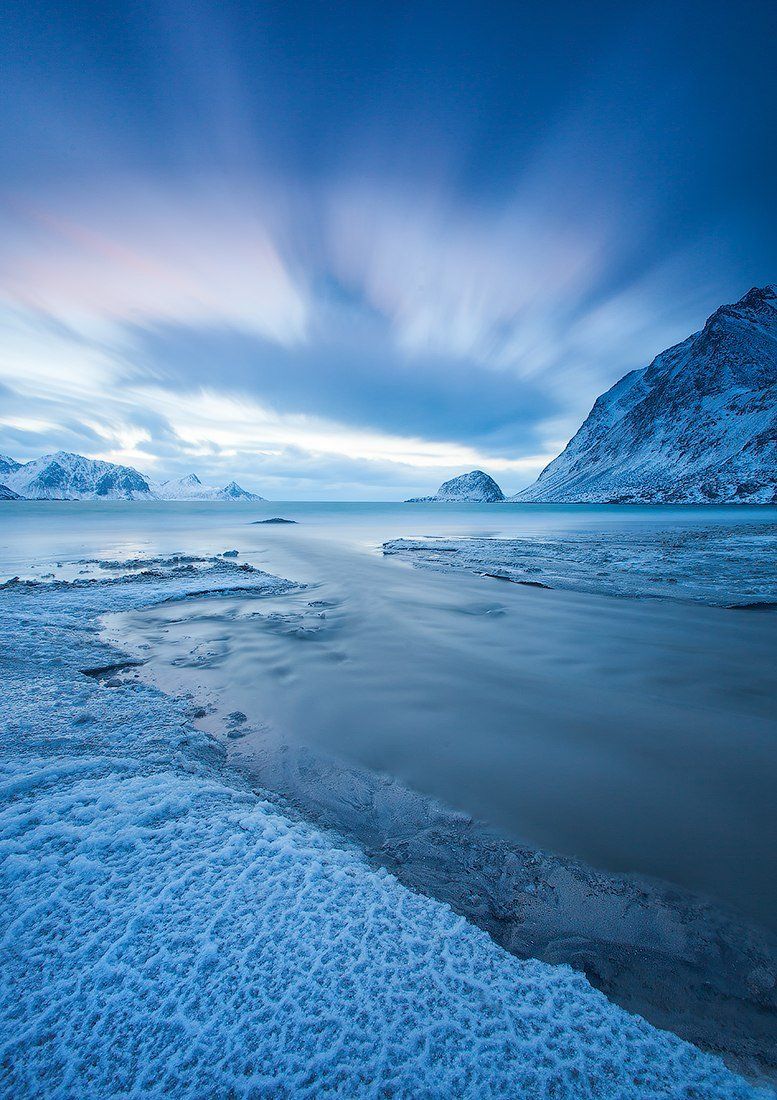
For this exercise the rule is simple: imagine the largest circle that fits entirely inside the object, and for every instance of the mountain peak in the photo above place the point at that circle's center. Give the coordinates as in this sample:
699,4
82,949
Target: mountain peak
233,491
191,488
699,425
8,465
475,487
759,304
757,294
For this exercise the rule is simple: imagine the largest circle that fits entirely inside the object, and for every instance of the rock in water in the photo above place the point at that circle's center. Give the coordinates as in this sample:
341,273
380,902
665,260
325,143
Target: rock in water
474,486
699,425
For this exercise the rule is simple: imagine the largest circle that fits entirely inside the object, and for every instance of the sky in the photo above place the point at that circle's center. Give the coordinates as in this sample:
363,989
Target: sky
348,250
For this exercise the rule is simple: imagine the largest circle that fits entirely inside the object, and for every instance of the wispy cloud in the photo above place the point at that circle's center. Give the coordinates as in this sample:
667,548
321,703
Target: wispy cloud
379,247
137,252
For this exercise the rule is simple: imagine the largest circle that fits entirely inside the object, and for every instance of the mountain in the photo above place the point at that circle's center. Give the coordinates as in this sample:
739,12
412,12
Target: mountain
191,488
65,476
474,486
699,425
234,492
7,465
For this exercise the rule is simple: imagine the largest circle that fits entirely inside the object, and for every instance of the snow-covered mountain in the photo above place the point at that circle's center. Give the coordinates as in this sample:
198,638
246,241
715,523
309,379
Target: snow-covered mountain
65,476
7,466
233,491
698,425
191,488
474,486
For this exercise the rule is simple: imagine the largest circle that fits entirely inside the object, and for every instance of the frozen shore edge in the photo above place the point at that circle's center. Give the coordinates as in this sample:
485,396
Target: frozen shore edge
178,924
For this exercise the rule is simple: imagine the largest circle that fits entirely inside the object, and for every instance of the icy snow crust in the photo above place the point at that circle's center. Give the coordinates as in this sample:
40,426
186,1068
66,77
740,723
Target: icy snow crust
166,931
726,566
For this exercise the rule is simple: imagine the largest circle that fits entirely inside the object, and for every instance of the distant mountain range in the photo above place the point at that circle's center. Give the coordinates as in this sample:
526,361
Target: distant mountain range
699,425
191,488
475,487
66,476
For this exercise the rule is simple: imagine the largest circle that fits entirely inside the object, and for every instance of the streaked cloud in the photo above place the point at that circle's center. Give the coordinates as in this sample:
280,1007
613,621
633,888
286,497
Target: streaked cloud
132,251
356,255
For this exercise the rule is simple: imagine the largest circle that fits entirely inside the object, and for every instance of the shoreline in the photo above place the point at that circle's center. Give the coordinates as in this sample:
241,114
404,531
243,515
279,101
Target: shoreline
131,778
685,962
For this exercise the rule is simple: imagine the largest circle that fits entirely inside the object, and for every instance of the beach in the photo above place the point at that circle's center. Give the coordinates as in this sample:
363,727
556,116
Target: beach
294,673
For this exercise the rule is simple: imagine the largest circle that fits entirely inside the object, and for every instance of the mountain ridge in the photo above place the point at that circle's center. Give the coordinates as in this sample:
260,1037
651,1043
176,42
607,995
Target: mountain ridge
698,425
189,487
65,475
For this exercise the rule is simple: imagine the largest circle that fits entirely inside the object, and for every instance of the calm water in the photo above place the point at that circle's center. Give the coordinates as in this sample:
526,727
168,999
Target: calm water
637,735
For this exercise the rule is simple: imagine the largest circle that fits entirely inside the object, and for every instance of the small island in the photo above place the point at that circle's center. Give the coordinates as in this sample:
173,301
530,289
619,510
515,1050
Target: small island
475,487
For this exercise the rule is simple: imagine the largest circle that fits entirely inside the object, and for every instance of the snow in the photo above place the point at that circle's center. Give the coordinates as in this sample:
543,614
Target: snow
696,426
191,488
474,486
66,476
728,566
169,932
8,465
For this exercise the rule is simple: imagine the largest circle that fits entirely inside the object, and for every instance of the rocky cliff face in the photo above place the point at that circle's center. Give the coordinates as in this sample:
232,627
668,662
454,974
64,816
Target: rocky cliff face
699,425
474,487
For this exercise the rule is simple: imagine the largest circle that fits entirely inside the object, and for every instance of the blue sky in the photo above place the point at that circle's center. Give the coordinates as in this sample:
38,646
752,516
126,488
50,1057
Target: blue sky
342,250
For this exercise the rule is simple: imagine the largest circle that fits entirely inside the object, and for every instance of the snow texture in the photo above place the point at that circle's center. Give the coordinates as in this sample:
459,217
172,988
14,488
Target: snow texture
475,487
168,932
726,566
698,425
8,494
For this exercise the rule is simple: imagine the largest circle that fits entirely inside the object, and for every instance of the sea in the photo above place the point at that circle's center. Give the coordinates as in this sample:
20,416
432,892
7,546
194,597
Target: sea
632,728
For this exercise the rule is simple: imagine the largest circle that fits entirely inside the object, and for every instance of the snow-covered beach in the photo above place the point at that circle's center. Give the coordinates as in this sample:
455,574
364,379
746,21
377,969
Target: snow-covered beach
173,926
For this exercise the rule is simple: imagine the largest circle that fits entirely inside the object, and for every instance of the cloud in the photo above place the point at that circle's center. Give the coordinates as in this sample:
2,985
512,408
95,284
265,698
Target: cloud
220,427
133,251
363,280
